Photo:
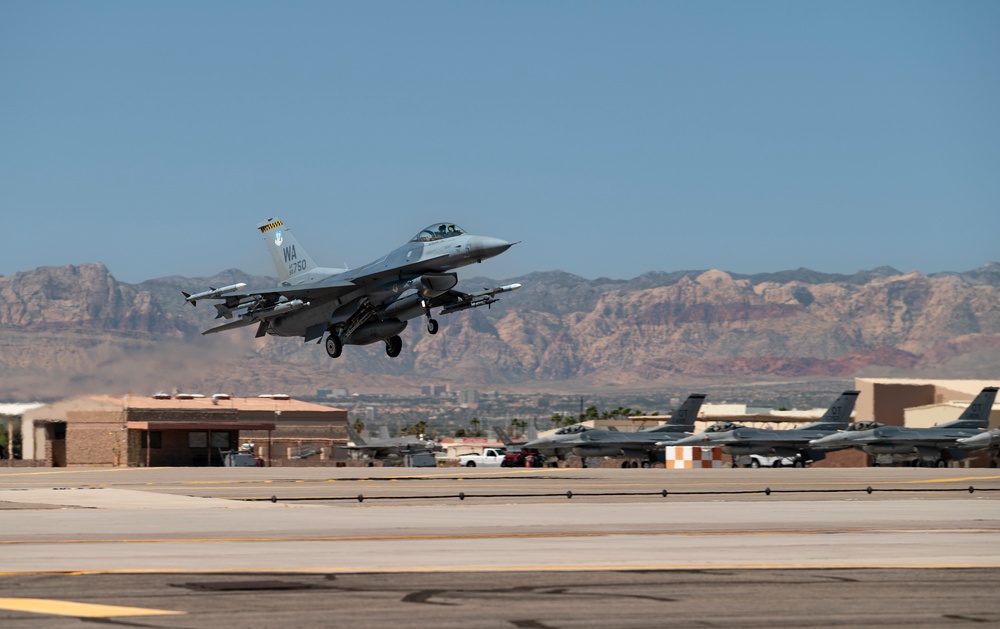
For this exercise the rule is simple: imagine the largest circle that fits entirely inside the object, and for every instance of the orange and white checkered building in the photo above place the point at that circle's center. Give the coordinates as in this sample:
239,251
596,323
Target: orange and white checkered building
689,457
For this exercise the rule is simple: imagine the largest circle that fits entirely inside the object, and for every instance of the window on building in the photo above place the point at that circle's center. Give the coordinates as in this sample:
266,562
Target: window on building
197,439
220,440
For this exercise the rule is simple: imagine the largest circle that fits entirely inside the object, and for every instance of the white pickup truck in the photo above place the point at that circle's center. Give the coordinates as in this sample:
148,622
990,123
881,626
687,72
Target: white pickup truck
491,457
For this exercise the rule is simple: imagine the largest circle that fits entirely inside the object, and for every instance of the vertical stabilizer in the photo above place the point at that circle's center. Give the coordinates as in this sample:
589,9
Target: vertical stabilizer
977,415
503,436
355,438
682,420
838,415
290,259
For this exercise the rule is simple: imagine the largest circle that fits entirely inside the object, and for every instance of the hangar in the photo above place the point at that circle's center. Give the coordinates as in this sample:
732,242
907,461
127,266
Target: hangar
178,430
894,401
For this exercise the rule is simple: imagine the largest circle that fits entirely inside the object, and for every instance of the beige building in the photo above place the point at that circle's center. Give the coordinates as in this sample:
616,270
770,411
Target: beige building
918,403
181,430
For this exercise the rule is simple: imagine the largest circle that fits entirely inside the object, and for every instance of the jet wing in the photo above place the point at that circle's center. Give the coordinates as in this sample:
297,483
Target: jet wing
330,287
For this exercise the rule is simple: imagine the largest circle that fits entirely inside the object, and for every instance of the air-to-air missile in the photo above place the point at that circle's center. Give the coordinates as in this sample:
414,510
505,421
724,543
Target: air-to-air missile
484,298
212,293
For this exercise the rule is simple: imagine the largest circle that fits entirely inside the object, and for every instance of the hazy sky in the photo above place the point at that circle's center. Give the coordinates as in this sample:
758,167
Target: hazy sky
611,138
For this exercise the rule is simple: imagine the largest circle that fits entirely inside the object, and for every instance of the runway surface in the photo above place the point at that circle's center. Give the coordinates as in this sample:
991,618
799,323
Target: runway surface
531,548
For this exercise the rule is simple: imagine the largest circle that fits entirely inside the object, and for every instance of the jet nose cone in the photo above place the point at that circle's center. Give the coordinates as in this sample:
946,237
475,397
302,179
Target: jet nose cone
482,247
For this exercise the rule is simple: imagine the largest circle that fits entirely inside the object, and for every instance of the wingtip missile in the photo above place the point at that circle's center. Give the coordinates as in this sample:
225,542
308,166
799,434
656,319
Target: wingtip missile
212,293
484,298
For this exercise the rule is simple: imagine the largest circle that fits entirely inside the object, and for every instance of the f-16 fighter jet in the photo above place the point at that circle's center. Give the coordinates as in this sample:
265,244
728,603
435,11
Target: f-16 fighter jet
364,305
639,447
933,446
795,443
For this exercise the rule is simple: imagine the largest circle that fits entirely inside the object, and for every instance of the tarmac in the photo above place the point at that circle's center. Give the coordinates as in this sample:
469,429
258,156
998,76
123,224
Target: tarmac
201,547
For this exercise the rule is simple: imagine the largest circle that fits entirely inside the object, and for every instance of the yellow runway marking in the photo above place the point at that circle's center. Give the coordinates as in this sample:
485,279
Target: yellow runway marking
78,610
951,480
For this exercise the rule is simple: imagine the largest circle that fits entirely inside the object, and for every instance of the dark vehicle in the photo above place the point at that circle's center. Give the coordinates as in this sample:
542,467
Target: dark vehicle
523,458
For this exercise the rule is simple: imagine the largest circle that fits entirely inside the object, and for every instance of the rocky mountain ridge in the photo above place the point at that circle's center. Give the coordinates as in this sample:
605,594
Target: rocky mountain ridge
67,328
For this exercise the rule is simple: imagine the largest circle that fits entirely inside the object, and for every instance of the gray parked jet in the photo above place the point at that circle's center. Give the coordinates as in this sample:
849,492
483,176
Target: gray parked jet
792,444
386,448
364,305
935,446
639,447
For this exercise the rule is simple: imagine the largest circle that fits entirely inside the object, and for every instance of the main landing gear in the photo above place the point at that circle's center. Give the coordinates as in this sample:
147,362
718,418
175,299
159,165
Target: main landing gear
432,325
333,345
393,345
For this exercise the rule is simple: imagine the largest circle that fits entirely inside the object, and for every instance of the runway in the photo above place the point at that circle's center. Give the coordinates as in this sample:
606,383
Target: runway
315,527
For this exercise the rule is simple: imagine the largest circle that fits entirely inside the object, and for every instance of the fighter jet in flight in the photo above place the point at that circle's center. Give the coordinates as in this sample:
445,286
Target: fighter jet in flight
358,306
934,446
639,447
794,443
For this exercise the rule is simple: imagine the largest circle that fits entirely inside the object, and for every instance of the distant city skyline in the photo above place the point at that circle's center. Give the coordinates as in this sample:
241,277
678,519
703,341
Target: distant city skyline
609,139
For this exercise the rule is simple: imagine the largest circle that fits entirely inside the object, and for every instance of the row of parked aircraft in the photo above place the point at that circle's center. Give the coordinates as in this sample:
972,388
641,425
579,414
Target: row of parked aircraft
934,446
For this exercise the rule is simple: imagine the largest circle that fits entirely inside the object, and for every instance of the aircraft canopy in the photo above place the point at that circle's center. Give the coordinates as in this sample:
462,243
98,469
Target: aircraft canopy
438,231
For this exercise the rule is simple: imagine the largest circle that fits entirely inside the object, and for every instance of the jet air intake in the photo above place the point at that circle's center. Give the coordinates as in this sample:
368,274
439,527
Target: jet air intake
435,284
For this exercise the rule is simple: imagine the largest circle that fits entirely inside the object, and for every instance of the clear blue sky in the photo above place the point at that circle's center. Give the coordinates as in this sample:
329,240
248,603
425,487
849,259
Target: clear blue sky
611,138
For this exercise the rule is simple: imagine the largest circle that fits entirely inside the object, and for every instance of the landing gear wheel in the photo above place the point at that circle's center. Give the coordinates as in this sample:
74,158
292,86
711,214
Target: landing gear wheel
432,326
333,346
393,345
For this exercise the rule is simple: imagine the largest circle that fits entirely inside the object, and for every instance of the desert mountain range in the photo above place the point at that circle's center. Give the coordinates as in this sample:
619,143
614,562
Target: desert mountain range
75,329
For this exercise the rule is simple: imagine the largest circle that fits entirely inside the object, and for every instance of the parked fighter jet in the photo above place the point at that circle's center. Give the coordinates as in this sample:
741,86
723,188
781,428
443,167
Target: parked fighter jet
388,448
640,447
936,446
364,305
794,443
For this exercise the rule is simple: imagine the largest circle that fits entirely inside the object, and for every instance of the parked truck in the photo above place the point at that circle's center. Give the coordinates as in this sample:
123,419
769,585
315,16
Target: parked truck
490,457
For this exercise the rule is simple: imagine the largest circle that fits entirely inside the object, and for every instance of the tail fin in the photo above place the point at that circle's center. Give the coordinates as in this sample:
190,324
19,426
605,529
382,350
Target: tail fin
383,432
355,438
977,415
290,259
502,435
682,420
838,415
